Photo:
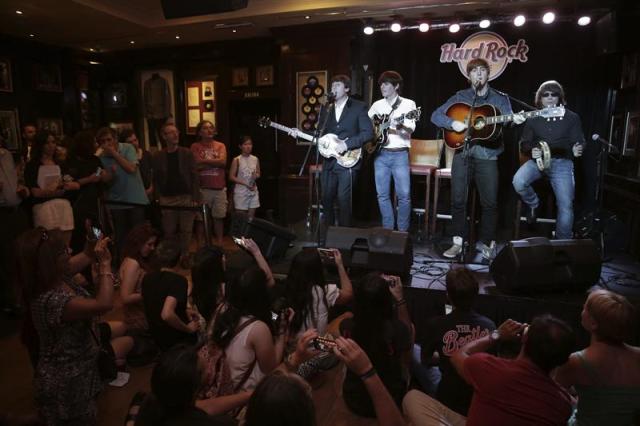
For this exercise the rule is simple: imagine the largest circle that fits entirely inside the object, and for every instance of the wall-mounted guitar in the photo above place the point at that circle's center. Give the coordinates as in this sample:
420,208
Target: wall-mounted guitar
485,121
381,124
326,144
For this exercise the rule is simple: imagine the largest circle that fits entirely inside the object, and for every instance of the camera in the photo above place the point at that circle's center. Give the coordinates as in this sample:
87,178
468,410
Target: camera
323,344
240,242
326,255
278,309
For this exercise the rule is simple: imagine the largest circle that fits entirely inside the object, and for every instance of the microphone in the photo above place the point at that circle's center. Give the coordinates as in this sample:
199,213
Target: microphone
331,97
596,138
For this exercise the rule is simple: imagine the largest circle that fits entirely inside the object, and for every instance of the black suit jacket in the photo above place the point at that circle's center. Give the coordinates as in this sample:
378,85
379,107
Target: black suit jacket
354,124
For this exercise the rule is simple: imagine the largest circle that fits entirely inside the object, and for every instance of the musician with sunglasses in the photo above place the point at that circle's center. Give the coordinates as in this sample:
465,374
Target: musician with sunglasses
565,140
482,156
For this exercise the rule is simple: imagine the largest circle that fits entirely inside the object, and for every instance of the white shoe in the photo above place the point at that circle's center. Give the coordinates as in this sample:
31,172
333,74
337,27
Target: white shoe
455,249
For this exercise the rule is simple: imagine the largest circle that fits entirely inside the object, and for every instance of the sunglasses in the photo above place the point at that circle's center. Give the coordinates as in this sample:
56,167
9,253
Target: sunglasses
548,94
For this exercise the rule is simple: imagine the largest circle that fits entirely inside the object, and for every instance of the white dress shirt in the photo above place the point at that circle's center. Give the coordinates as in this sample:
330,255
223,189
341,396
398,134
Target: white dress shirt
397,138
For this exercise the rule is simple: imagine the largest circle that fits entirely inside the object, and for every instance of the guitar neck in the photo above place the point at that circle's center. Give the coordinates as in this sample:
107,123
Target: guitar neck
509,117
289,129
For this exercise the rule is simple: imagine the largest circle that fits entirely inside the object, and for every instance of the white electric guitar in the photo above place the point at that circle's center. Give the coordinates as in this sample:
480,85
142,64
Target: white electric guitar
327,144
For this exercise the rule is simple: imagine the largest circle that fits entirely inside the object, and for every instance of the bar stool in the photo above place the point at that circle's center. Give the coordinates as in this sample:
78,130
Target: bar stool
315,170
424,159
545,192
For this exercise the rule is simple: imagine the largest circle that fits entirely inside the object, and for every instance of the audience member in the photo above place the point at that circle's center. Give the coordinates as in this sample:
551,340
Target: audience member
176,184
144,160
86,169
606,374
67,380
245,170
447,334
211,162
29,131
207,280
507,391
49,185
164,294
126,185
381,326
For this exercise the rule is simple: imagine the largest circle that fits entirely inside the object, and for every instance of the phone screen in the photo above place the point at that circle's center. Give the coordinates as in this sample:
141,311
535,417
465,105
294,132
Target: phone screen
97,232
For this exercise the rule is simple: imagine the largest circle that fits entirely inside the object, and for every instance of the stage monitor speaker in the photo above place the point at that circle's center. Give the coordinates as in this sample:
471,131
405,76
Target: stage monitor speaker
174,9
272,239
539,265
373,249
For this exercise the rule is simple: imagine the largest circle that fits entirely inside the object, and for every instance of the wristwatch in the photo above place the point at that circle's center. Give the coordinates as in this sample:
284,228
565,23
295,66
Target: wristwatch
494,336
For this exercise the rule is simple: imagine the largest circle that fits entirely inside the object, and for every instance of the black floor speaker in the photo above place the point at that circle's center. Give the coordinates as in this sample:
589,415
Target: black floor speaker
540,265
373,249
272,239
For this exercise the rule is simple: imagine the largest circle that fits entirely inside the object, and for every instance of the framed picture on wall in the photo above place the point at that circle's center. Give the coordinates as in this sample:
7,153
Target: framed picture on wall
10,129
240,77
616,131
631,134
264,75
6,83
310,88
46,77
158,104
54,125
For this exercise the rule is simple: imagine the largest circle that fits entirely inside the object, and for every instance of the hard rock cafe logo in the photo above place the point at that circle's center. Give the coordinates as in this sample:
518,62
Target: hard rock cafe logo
485,45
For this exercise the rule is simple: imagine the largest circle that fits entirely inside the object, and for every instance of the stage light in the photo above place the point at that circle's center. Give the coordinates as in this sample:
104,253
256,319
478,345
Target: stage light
424,27
32,35
584,20
368,30
307,17
519,20
485,23
177,37
396,27
132,42
549,17
454,28
234,30
18,12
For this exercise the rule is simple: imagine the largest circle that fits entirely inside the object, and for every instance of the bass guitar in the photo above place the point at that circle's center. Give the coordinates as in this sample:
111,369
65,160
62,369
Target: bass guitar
327,144
381,124
484,123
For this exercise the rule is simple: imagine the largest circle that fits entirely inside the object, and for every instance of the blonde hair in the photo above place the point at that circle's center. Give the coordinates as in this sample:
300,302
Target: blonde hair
614,316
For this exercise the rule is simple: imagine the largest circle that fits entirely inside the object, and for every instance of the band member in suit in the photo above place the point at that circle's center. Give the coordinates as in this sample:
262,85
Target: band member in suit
346,118
565,139
482,161
393,158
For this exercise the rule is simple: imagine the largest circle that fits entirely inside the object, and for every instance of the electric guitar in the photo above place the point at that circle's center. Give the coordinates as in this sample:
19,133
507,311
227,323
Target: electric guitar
485,121
327,144
381,124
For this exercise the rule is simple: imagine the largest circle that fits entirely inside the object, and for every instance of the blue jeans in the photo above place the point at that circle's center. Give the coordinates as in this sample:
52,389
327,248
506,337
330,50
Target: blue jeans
396,164
560,175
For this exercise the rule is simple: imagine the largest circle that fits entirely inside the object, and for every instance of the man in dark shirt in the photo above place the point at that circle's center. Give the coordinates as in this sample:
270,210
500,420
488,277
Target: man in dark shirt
164,294
448,333
565,139
176,183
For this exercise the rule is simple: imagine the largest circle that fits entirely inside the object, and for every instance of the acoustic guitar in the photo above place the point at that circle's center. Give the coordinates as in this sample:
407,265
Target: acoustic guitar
485,121
327,144
381,124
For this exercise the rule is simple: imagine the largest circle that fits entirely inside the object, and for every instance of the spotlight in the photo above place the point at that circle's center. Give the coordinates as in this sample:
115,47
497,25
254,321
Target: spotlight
132,42
307,17
519,20
549,17
177,37
424,27
18,12
485,23
454,28
32,35
396,27
368,30
584,20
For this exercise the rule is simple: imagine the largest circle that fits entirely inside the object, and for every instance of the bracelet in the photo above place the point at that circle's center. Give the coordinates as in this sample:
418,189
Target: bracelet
401,302
372,372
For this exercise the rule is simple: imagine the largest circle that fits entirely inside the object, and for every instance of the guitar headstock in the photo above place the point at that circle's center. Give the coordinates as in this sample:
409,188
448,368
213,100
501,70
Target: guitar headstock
264,122
552,112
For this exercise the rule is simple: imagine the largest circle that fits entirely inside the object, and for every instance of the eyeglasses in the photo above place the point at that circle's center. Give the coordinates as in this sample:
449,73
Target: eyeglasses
549,94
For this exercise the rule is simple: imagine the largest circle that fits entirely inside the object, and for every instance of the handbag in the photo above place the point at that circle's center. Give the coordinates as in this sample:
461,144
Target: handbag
106,361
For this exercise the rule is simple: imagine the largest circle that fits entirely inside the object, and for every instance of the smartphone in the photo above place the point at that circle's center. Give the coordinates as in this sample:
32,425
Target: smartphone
240,242
326,253
274,316
322,344
96,232
98,171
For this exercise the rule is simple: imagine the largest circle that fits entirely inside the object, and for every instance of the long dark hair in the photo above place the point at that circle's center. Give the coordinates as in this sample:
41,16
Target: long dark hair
372,314
305,273
39,141
246,296
135,240
207,276
174,382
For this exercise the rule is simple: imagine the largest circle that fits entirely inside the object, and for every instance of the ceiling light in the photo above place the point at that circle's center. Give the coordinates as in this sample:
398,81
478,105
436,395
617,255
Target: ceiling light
94,62
485,23
307,17
91,49
18,12
368,30
519,20
132,42
549,17
32,35
584,20
177,37
396,27
454,28
424,27
234,31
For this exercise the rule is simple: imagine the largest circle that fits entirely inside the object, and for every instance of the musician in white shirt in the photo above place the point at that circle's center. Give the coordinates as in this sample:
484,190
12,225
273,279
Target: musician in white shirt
393,159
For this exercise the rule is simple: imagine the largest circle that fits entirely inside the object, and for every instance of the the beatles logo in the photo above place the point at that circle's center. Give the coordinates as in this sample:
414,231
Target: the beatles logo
452,341
485,45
